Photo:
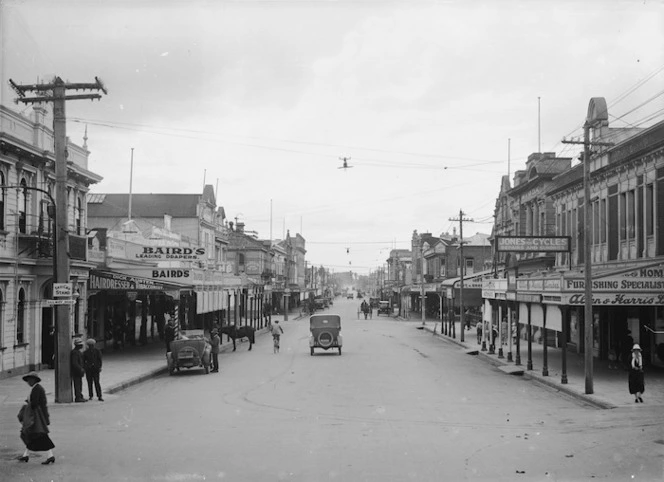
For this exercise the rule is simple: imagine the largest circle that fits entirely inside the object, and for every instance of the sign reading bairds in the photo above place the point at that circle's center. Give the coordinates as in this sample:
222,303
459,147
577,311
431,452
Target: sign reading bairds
537,244
164,253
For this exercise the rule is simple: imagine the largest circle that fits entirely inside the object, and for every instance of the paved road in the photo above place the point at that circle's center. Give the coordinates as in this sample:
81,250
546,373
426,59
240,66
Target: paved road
398,405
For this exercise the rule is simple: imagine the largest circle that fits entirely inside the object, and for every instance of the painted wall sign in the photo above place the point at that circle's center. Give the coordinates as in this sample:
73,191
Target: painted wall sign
117,281
614,284
533,244
616,299
164,253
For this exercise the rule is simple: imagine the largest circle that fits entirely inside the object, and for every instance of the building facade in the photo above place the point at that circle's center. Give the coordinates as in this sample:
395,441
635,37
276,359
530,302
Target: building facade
27,207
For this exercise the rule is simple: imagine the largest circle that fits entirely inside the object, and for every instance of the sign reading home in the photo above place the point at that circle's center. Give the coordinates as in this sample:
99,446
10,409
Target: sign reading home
533,244
164,253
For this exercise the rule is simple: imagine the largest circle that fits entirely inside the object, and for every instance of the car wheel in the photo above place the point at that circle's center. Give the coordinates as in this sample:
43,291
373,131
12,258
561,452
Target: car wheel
312,351
339,351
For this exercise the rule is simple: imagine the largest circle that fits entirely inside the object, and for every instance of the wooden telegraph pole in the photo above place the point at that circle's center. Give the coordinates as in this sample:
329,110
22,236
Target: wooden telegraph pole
597,115
462,263
56,92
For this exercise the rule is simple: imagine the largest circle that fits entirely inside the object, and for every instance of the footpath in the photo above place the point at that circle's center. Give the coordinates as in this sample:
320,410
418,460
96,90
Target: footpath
121,369
609,384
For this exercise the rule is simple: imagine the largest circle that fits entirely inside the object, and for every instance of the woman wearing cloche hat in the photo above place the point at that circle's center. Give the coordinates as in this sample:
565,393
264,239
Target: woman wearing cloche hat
635,380
35,420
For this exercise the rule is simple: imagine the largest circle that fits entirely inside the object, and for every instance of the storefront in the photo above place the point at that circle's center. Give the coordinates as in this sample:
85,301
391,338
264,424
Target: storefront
128,310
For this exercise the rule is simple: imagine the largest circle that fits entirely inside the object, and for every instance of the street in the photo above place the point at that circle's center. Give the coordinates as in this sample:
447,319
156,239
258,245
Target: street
398,404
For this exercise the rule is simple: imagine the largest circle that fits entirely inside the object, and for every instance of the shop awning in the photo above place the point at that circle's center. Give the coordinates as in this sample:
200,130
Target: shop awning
210,301
470,281
112,280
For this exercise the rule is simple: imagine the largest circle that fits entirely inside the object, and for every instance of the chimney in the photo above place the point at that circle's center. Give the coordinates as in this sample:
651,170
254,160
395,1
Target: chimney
240,227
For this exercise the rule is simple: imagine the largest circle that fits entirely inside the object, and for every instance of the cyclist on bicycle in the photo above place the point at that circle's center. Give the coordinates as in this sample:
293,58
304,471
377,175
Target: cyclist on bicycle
277,331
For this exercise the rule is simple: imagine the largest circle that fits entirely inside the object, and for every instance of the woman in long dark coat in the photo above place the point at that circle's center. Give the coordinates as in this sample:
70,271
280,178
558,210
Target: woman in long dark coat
35,421
636,381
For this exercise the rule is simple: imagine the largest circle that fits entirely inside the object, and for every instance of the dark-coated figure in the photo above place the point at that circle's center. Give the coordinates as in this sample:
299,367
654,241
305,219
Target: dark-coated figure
35,419
92,362
77,370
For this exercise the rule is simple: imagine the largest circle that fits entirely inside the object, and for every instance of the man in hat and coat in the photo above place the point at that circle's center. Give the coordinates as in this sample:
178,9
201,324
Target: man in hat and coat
35,420
215,342
92,365
77,370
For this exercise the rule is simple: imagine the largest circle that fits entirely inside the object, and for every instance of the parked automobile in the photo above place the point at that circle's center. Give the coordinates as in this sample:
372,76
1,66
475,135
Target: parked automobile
190,351
385,308
325,332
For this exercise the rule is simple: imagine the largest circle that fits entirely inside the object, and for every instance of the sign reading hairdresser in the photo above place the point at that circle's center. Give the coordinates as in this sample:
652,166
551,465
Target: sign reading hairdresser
534,244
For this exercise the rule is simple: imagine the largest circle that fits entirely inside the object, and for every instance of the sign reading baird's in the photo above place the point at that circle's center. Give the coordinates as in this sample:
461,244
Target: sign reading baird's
164,253
533,244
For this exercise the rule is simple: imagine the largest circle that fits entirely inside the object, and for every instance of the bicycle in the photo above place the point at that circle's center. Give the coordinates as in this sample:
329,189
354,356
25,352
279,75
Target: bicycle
275,338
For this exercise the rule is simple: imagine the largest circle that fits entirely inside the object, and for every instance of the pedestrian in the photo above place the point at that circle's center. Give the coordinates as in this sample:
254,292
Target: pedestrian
613,359
77,370
169,334
479,333
35,420
494,335
215,341
636,381
92,364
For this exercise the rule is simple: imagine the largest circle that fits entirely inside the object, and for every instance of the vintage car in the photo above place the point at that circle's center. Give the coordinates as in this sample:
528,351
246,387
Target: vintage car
349,296
325,332
384,307
190,350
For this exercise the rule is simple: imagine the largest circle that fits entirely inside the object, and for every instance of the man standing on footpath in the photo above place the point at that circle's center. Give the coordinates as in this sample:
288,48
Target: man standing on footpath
169,334
92,365
215,342
77,370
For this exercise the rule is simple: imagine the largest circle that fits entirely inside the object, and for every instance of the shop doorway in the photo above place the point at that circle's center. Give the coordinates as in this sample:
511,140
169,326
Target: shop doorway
48,337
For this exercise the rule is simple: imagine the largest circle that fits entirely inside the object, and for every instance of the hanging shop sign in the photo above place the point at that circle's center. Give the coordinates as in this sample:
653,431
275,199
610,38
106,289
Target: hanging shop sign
533,244
164,253
118,281
630,284
616,299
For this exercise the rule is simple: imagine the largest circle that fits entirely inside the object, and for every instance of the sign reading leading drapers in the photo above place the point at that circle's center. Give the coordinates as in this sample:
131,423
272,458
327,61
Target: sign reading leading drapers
164,253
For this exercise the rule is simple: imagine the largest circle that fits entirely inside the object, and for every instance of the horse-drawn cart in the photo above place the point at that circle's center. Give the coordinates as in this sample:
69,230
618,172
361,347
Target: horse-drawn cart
189,351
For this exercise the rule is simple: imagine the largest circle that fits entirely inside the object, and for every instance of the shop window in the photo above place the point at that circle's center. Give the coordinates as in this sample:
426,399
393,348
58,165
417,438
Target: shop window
650,209
622,215
78,217
631,214
2,320
23,207
3,198
20,317
602,221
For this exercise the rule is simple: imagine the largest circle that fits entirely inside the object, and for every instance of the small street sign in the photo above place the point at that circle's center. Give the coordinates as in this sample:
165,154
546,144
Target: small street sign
61,302
62,290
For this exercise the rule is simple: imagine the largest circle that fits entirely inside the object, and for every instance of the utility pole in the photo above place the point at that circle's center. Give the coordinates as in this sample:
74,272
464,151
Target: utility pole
462,263
56,92
423,294
597,114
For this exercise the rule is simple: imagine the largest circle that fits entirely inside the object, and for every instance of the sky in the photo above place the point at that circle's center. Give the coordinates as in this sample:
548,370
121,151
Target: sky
432,102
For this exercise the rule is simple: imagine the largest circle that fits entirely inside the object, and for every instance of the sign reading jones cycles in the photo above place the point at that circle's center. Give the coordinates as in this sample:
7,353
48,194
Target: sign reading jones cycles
533,244
164,253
